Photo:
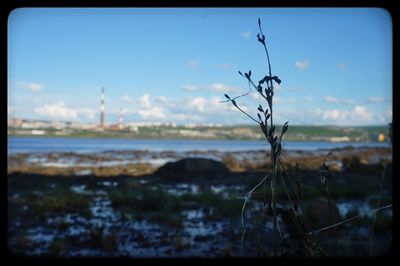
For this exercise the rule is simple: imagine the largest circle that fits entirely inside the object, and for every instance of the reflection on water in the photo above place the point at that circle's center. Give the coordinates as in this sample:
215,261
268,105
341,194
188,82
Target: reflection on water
362,208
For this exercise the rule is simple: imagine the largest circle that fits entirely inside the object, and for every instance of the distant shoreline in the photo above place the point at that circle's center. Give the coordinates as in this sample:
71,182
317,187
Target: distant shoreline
185,138
245,132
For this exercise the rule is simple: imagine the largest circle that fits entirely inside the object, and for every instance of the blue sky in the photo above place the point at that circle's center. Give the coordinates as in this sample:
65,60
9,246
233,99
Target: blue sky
175,64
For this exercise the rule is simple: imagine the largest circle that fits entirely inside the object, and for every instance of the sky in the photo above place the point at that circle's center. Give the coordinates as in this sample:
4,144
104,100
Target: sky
176,64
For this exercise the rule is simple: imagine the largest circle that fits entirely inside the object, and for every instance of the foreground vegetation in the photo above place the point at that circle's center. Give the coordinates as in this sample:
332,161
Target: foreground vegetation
145,215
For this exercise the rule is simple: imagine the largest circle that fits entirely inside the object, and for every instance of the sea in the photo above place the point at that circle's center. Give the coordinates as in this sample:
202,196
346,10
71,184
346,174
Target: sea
23,144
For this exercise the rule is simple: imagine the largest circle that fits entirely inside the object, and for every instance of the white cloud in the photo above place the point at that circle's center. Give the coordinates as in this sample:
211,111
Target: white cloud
215,87
341,66
292,100
56,110
333,115
277,100
59,110
86,112
152,113
331,99
376,99
127,99
388,115
362,113
32,86
144,101
190,88
193,64
219,87
162,99
197,103
214,106
184,117
35,87
349,101
256,96
246,34
308,99
147,110
302,65
173,109
222,88
358,115
277,87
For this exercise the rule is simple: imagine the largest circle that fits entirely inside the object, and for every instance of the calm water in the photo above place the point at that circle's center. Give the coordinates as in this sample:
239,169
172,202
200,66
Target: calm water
81,145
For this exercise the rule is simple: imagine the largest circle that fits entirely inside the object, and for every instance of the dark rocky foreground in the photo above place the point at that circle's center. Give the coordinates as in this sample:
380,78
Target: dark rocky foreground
145,204
189,168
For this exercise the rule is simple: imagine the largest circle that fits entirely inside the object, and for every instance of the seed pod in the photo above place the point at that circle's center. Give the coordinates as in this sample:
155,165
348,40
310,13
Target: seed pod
227,96
277,80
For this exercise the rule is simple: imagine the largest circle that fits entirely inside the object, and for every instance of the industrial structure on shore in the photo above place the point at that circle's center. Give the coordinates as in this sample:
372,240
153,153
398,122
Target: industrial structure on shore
102,109
119,126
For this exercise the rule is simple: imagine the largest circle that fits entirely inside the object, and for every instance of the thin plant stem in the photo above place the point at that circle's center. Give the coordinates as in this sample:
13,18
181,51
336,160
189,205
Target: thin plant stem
246,198
347,220
266,50
247,114
285,187
377,206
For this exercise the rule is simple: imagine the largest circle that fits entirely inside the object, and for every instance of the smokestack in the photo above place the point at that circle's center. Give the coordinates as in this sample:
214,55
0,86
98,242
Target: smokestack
121,119
102,109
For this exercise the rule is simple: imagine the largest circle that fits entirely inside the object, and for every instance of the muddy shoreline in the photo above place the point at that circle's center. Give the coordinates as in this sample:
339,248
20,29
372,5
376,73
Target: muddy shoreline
114,205
139,162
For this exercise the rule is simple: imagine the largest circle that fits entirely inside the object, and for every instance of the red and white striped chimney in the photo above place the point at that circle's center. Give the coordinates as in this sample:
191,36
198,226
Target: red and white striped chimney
121,119
102,109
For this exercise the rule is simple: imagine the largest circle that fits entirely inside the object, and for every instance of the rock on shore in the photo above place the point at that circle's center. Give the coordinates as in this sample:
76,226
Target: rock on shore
193,167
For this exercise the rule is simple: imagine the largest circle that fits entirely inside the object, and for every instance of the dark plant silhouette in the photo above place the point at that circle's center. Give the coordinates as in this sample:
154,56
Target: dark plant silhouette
290,216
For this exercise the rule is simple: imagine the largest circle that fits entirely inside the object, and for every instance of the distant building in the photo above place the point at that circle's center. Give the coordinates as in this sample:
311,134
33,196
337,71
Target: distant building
14,122
38,132
340,139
